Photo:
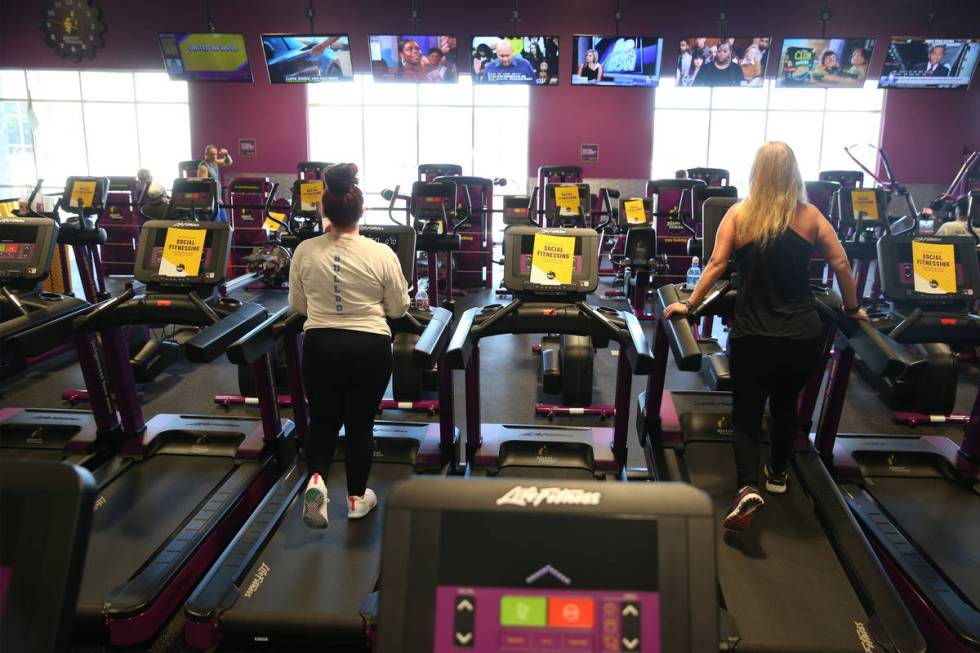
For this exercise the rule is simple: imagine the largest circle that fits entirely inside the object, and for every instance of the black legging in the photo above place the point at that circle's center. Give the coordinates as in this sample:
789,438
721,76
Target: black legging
774,368
345,373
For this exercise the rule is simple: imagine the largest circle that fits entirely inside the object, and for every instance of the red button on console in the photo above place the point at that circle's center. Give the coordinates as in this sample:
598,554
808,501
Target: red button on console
571,613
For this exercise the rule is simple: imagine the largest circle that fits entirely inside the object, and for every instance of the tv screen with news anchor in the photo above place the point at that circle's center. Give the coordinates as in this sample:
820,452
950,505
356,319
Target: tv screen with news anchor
929,63
515,59
731,61
205,57
616,60
307,58
414,58
825,63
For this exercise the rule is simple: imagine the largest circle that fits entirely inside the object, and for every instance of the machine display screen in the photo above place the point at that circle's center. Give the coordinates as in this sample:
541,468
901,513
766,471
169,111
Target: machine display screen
515,59
616,60
160,238
17,242
527,594
199,200
307,58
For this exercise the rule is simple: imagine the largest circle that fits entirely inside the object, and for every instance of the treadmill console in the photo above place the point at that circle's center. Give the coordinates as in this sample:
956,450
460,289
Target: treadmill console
85,195
635,212
193,199
551,261
400,238
568,202
180,254
26,251
517,210
712,212
473,566
431,204
929,270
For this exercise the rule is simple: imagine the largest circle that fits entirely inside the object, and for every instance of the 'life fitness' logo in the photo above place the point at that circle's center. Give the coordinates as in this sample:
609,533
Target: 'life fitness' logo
553,496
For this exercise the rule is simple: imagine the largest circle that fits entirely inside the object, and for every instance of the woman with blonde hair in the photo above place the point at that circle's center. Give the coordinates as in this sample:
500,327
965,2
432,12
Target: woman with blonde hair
776,340
591,69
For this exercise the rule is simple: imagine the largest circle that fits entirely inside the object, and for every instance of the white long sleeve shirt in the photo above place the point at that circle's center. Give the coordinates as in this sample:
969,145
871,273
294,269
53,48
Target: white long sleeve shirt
347,282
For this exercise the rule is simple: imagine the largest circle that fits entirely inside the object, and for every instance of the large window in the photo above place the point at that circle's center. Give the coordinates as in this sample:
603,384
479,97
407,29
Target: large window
54,124
389,129
723,127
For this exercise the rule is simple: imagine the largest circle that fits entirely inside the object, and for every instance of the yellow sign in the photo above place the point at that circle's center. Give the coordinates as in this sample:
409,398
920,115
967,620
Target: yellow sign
566,199
213,52
310,195
272,225
182,252
552,260
634,212
866,202
82,191
934,268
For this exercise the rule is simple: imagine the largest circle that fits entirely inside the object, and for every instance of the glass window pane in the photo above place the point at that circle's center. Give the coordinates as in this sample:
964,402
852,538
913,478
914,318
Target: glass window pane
446,136
802,131
849,128
16,146
60,142
797,99
53,84
107,86
328,143
390,147
501,152
110,133
459,94
157,87
739,98
735,136
164,138
669,96
869,98
13,85
390,93
500,95
339,93
680,140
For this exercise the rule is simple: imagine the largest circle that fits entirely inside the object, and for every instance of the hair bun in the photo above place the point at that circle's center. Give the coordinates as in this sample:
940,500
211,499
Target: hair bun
341,178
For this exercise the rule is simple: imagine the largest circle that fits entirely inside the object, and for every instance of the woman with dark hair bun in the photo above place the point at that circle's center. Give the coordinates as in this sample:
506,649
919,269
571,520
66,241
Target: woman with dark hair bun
346,285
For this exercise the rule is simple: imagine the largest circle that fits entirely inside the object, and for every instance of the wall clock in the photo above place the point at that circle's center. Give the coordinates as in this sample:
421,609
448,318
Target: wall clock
73,28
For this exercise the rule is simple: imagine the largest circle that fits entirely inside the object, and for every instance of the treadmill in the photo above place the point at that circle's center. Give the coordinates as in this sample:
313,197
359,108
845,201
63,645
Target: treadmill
495,576
185,483
34,323
917,495
282,583
804,578
550,307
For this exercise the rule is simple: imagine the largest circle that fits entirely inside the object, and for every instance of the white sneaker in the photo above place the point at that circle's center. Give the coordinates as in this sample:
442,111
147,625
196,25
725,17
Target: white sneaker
315,503
359,507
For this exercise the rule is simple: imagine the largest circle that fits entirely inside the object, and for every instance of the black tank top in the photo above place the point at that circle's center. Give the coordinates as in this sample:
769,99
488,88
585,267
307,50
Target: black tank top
774,297
589,73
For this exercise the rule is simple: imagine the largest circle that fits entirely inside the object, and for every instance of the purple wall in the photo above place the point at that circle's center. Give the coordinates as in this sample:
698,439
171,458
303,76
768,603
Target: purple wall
618,120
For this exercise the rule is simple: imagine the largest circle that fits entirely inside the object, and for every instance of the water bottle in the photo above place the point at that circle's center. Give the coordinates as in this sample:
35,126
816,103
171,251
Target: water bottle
693,273
422,296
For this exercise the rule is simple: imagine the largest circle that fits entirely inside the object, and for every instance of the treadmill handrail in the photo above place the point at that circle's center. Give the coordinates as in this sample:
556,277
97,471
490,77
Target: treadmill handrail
210,342
434,339
90,321
251,346
461,345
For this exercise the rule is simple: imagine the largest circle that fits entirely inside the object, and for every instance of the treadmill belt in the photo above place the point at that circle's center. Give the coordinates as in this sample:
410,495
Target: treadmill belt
943,520
781,580
314,581
137,513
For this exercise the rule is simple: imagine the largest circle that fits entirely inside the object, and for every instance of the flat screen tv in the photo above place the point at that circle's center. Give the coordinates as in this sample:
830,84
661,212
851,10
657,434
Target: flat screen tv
714,61
616,60
929,63
414,58
515,59
205,57
307,58
824,63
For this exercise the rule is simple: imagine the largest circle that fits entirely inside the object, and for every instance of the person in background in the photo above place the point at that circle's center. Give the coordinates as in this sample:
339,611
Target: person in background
434,56
700,43
210,168
143,176
482,57
777,338
934,67
534,55
436,69
508,66
751,64
448,46
684,57
411,66
346,285
763,44
697,63
591,69
859,64
721,71
961,225
157,202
